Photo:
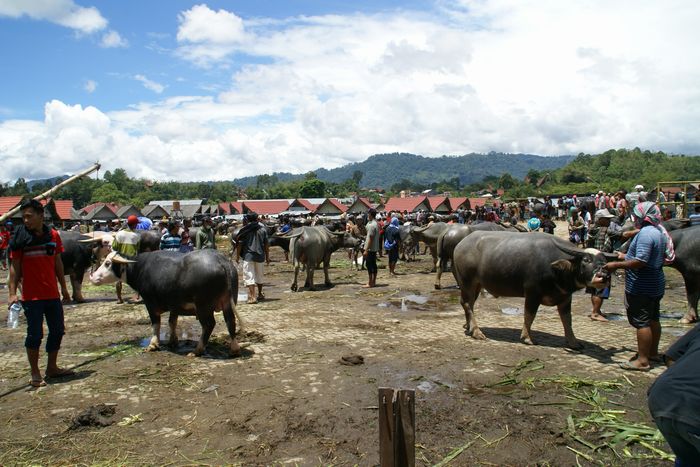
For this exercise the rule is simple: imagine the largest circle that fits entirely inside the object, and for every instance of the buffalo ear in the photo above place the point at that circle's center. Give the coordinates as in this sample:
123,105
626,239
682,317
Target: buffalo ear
562,265
610,257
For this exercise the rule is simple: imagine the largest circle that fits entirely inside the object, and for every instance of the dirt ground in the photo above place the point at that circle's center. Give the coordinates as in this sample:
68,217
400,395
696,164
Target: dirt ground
289,401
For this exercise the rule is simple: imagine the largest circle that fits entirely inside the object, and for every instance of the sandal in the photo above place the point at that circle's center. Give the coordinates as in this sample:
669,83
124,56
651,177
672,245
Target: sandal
37,383
251,301
261,296
631,367
656,358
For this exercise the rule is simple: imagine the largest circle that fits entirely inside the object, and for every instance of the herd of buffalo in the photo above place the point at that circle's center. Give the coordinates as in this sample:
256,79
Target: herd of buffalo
499,258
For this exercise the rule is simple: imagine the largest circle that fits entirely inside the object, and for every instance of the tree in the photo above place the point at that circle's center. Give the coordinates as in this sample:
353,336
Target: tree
357,177
312,188
109,193
506,181
20,187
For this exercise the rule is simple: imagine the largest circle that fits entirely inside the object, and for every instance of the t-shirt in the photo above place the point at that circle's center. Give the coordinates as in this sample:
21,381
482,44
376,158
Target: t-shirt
39,280
4,240
126,243
372,241
676,393
648,246
253,245
170,242
205,239
694,219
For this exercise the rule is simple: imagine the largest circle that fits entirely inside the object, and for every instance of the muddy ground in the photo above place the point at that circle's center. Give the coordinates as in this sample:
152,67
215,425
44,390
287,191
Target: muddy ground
288,400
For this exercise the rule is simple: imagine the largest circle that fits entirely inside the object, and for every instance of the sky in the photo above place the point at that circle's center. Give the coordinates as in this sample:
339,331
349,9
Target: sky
181,90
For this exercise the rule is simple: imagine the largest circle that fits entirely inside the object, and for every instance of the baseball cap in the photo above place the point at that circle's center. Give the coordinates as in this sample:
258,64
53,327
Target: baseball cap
603,213
132,220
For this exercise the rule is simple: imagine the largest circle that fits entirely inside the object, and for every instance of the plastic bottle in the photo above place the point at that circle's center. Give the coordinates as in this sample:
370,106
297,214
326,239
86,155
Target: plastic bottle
13,315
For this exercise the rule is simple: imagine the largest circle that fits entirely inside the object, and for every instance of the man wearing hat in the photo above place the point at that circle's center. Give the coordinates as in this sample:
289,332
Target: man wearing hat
252,244
126,243
599,238
636,196
205,236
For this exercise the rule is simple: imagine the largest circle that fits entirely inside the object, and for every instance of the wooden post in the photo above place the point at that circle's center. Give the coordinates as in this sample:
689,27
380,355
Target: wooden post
397,426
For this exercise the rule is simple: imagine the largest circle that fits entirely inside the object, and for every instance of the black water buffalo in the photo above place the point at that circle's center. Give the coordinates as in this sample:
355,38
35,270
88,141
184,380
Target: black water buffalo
686,242
450,238
309,246
407,246
429,235
80,252
544,269
192,284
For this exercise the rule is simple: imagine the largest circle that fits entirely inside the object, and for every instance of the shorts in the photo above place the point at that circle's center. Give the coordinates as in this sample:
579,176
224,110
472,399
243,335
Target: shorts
36,311
393,254
642,310
601,293
371,262
252,273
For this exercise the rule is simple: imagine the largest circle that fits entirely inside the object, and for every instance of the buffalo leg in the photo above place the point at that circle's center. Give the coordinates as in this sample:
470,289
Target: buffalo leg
310,277
326,265
438,275
172,323
692,291
206,319
296,276
564,310
155,326
469,293
433,254
76,282
230,318
531,306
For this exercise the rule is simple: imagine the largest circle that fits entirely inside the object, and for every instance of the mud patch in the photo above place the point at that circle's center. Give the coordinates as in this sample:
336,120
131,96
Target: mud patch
95,416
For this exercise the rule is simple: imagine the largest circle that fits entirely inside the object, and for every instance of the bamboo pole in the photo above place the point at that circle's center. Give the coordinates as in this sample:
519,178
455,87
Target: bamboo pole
54,189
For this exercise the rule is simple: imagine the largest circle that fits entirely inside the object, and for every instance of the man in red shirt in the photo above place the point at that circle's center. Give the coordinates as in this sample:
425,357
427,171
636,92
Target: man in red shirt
4,245
35,251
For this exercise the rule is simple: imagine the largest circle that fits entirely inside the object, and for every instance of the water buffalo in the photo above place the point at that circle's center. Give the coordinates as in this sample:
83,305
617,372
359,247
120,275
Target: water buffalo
407,246
450,238
544,269
192,284
686,242
80,252
310,246
429,235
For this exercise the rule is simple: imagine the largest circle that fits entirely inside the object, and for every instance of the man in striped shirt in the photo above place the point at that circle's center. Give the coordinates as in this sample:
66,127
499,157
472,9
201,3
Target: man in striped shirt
126,243
171,240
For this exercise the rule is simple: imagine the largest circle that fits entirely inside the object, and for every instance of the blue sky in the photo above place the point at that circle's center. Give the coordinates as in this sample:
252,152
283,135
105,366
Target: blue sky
218,90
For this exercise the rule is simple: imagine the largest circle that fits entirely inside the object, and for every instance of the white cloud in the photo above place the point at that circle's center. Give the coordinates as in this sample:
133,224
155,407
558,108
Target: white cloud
90,86
63,12
149,84
519,76
207,36
112,39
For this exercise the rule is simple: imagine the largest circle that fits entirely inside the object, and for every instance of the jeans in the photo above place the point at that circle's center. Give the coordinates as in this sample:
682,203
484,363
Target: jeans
35,311
683,439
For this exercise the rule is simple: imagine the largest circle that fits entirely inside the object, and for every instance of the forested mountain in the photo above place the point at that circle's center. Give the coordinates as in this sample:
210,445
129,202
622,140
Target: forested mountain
385,170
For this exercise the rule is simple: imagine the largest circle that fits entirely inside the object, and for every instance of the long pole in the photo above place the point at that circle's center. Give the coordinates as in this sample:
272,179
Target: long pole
54,189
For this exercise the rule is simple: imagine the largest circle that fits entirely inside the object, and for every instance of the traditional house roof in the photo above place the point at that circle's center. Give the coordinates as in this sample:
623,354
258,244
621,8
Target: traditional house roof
439,204
460,202
330,206
129,210
414,204
359,206
114,207
9,202
154,211
237,207
60,209
308,204
101,212
225,208
266,206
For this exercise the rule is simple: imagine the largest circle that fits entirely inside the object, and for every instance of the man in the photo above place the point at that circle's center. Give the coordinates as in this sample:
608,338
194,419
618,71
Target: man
372,245
644,283
674,399
637,196
126,243
171,240
252,244
392,240
599,239
695,217
36,262
4,246
205,236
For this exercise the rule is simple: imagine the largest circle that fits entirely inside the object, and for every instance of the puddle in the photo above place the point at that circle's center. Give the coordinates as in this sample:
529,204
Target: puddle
419,299
512,311
614,317
184,334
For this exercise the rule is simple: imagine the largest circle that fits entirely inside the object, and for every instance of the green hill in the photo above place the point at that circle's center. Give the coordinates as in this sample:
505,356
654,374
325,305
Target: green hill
384,170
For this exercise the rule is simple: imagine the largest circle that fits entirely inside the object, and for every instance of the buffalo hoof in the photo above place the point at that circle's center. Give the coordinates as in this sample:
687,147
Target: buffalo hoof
198,352
477,334
328,284
294,288
79,299
575,345
235,349
527,340
173,343
152,347
437,287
